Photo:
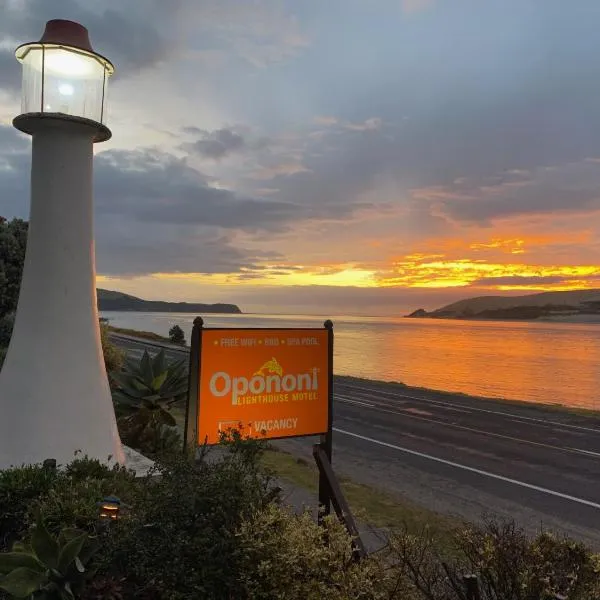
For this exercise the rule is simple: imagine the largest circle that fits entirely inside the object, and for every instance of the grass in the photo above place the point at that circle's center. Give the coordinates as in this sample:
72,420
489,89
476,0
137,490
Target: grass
146,335
372,506
549,406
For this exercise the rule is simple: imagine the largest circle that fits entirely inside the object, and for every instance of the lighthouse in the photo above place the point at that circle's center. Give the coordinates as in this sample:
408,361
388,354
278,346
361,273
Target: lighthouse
55,398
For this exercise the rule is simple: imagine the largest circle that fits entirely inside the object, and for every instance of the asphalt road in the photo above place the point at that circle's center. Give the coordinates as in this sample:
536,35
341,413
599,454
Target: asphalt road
466,456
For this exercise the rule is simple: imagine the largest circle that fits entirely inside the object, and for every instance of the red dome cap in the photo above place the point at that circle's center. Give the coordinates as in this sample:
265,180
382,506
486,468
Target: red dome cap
67,33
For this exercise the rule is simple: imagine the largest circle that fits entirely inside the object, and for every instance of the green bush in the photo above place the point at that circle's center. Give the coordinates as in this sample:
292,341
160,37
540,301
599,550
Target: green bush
113,357
512,565
282,555
176,335
64,498
6,326
198,507
72,501
13,241
18,489
509,565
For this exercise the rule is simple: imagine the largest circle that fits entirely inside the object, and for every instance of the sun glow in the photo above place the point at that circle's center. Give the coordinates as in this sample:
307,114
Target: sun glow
489,265
466,272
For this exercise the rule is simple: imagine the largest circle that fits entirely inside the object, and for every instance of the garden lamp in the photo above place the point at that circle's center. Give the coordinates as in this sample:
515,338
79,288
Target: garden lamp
109,508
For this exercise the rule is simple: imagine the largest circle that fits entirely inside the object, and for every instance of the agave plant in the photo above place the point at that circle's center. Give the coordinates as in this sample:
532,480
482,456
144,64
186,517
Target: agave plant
145,392
48,568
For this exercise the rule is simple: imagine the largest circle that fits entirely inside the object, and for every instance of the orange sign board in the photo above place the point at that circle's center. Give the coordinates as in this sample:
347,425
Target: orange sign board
269,383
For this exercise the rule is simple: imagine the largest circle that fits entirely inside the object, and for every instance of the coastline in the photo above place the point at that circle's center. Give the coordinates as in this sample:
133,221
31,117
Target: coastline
542,406
150,339
567,319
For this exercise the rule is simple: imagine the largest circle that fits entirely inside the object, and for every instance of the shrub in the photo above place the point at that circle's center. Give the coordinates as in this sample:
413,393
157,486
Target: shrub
64,498
198,508
282,555
72,500
113,357
18,489
513,566
6,326
509,565
2,356
176,335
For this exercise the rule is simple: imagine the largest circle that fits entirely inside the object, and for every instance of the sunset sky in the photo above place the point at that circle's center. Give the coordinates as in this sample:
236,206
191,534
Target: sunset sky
334,156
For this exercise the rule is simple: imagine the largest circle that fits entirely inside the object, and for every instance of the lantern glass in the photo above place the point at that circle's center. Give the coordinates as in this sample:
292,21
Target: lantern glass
64,80
109,508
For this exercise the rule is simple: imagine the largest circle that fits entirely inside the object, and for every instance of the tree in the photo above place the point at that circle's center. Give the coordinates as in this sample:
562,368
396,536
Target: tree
176,335
13,241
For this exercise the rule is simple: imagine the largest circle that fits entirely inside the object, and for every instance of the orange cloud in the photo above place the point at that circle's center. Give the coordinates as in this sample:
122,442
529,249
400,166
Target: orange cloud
511,246
422,272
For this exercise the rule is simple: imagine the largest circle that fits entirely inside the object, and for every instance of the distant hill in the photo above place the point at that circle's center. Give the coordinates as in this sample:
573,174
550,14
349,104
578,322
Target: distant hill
572,305
111,300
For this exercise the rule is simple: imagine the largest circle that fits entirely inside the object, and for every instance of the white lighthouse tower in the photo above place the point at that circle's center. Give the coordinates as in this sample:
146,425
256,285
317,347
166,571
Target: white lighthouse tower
54,393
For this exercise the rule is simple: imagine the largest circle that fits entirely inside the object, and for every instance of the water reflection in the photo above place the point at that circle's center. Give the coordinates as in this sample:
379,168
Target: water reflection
538,362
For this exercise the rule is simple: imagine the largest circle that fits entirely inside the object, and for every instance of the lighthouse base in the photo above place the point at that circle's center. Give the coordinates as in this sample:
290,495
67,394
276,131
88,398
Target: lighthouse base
55,400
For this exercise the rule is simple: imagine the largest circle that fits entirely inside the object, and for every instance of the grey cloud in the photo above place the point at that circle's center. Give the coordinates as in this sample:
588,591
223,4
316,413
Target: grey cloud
221,143
193,130
15,164
519,94
154,213
127,248
126,243
568,188
156,187
337,168
217,144
12,141
10,72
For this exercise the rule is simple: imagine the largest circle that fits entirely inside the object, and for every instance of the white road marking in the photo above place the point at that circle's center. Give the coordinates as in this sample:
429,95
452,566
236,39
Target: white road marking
586,451
483,410
450,463
408,414
351,401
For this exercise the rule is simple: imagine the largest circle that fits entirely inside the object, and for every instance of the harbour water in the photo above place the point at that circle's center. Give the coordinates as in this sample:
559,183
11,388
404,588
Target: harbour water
553,363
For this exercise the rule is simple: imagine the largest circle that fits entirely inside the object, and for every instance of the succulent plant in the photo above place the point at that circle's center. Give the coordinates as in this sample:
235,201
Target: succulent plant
144,393
47,568
150,387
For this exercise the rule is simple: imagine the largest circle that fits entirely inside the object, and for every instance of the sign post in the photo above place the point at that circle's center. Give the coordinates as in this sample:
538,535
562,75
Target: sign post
326,443
190,434
268,384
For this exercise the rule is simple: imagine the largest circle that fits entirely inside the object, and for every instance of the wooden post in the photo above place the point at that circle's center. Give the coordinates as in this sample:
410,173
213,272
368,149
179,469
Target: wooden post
326,442
190,434
340,505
